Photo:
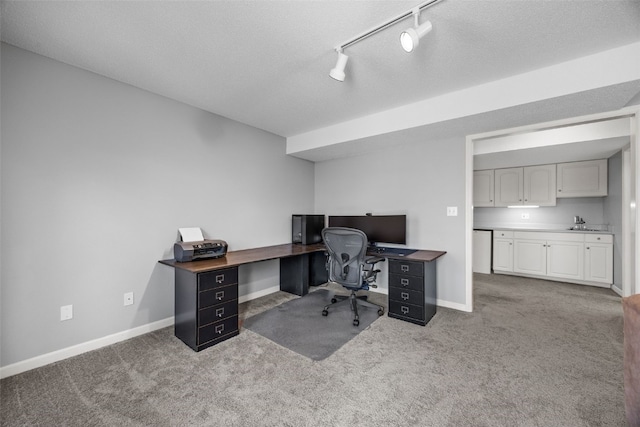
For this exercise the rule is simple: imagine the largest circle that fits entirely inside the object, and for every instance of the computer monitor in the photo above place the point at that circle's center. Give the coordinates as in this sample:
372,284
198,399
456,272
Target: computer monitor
378,228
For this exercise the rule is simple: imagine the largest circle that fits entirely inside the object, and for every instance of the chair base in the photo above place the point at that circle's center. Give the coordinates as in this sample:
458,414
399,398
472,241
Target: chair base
355,301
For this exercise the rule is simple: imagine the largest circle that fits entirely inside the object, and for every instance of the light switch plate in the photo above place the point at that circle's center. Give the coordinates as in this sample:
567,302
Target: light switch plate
452,211
66,312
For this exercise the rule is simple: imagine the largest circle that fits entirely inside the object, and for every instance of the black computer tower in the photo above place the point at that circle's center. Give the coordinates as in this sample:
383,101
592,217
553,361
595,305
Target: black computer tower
307,229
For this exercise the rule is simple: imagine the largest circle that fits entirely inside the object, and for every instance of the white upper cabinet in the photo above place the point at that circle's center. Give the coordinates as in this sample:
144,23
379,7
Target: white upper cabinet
483,188
582,179
531,185
508,187
540,185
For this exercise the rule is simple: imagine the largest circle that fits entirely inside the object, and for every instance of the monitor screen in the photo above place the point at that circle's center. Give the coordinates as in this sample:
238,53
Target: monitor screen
379,228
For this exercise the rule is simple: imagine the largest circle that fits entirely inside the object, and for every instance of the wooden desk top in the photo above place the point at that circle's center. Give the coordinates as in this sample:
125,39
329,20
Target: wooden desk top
246,256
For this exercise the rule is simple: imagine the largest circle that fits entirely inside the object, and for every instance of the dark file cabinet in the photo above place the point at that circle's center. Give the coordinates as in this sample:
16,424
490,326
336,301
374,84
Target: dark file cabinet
206,306
412,290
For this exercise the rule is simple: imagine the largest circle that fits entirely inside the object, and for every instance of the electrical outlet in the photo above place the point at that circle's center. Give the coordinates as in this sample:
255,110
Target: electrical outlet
452,211
66,312
524,215
128,298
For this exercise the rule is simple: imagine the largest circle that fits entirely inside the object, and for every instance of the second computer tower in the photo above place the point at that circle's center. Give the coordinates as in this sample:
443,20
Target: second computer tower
307,229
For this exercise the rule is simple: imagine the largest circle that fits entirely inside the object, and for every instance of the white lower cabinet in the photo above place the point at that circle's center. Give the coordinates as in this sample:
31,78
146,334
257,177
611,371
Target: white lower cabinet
598,259
503,251
530,256
572,257
565,260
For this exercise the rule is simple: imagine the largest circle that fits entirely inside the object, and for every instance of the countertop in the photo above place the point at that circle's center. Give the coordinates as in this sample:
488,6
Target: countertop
541,230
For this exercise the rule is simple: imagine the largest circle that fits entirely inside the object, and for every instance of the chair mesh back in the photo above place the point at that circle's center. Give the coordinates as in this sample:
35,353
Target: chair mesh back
347,248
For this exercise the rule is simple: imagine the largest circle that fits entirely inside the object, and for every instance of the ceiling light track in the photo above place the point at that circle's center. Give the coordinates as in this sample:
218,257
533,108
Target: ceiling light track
409,38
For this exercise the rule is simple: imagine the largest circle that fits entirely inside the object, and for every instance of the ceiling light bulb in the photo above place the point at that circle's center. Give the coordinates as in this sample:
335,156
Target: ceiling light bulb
338,72
410,38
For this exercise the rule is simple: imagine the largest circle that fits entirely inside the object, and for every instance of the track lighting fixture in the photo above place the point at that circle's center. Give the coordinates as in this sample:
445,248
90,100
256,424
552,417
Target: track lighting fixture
338,71
410,37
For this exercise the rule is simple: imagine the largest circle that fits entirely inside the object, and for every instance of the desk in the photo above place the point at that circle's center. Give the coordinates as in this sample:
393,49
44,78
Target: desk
206,291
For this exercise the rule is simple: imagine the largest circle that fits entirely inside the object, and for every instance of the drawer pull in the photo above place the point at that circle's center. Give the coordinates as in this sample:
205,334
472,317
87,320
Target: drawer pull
404,295
219,329
404,282
404,309
404,268
220,278
220,295
220,312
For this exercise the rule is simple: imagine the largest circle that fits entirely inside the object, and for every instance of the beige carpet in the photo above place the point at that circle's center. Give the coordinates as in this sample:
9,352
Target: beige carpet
533,353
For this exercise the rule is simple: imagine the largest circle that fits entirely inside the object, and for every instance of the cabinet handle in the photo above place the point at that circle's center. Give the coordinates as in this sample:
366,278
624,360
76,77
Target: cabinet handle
404,282
559,190
220,278
220,295
404,295
404,309
588,247
404,268
220,312
219,329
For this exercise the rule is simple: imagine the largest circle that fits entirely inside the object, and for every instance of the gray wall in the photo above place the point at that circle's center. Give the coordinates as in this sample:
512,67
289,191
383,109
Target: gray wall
419,180
96,178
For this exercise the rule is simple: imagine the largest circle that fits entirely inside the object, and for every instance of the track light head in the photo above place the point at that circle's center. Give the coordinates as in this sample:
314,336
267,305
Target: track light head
410,38
338,71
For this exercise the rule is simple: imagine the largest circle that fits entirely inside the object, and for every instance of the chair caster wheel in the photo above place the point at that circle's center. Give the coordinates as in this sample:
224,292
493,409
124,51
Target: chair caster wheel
333,300
356,322
325,312
380,312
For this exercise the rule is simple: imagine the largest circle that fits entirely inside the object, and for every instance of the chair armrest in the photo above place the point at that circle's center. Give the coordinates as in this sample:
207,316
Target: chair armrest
373,259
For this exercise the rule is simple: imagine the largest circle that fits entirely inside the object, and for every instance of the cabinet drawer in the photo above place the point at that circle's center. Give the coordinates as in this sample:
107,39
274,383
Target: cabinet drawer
217,278
503,234
407,310
217,296
218,330
406,282
217,312
406,267
406,295
598,238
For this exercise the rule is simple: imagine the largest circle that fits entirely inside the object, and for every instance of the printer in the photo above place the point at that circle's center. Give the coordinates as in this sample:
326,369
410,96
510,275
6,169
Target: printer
202,249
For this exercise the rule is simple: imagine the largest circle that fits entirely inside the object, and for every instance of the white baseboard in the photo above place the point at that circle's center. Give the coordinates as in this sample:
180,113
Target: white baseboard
65,353
616,289
453,305
258,294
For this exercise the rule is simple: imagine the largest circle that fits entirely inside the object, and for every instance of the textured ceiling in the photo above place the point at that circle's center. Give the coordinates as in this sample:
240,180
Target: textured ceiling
266,63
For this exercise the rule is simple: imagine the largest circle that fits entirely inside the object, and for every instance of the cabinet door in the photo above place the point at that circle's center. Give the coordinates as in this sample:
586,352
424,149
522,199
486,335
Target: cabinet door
582,179
540,185
565,260
598,266
508,186
483,188
530,257
502,254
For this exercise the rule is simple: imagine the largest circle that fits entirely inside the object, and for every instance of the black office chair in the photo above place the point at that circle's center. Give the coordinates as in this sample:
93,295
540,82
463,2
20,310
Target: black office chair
349,266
